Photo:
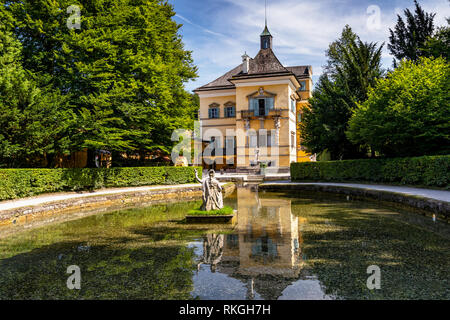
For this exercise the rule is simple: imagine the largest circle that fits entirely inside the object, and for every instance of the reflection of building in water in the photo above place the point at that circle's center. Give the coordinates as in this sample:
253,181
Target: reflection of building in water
265,250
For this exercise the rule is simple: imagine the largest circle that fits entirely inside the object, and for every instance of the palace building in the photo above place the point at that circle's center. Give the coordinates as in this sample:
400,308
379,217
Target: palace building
250,115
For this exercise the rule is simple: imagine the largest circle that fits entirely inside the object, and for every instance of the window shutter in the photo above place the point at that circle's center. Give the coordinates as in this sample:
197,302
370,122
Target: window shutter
253,140
230,111
262,138
254,106
269,104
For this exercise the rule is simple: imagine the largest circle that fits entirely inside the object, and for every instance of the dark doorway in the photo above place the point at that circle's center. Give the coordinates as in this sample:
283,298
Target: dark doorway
262,107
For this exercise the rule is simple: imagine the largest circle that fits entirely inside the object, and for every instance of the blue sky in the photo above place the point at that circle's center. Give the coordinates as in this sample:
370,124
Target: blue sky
220,31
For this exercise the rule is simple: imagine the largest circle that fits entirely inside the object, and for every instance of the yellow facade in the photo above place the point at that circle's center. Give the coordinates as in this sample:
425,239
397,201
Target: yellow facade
302,155
266,98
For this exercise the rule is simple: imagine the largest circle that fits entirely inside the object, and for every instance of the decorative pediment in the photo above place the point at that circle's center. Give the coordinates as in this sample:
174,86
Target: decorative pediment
214,105
261,93
230,104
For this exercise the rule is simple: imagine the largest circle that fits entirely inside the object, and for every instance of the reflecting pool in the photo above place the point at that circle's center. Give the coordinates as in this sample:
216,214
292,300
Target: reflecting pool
282,246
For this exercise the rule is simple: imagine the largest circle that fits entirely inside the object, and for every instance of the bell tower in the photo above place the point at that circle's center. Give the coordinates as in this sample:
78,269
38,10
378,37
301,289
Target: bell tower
266,37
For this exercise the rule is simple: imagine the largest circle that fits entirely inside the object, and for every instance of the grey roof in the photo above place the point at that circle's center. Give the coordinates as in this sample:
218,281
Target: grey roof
301,71
222,82
264,64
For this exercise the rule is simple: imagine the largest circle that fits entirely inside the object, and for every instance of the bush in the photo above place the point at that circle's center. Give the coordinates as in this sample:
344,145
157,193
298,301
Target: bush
431,171
19,183
408,113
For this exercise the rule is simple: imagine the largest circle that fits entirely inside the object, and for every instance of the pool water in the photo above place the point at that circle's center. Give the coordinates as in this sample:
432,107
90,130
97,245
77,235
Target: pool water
282,246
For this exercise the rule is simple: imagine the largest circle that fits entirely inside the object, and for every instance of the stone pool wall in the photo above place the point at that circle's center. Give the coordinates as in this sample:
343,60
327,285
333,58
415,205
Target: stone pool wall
424,205
78,207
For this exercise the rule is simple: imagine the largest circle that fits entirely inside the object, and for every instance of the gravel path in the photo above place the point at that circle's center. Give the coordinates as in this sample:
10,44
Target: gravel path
440,195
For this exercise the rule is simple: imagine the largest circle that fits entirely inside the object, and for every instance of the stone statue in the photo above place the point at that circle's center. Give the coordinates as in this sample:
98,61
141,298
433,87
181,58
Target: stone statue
256,156
212,192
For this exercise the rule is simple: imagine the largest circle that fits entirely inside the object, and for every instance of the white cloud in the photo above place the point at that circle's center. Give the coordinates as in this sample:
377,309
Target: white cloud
199,26
302,31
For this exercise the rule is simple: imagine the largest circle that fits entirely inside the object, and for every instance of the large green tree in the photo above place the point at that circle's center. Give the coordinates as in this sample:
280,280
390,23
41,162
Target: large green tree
123,70
409,36
353,66
324,123
32,115
439,44
408,113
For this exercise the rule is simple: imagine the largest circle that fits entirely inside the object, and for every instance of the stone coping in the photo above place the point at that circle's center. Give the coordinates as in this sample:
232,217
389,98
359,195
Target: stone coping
57,207
429,200
60,196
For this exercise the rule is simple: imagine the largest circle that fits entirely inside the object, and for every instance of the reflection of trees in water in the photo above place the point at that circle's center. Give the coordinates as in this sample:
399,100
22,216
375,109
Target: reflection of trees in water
343,238
106,273
138,254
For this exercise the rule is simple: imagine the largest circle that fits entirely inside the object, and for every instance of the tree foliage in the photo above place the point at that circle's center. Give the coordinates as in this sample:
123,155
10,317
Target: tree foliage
30,114
353,66
439,45
324,122
409,36
408,113
122,72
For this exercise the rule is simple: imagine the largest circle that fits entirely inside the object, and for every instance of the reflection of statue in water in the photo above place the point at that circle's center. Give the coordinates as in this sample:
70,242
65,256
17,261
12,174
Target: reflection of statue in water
212,192
256,156
212,250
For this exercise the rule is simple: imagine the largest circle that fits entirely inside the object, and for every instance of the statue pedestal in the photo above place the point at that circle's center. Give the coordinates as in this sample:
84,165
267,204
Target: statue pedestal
213,219
231,219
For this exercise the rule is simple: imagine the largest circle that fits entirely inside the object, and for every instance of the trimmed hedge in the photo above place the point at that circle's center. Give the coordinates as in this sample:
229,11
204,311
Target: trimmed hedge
19,183
431,171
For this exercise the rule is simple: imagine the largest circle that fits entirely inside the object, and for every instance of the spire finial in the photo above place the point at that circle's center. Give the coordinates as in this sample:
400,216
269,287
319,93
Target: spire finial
265,13
266,37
